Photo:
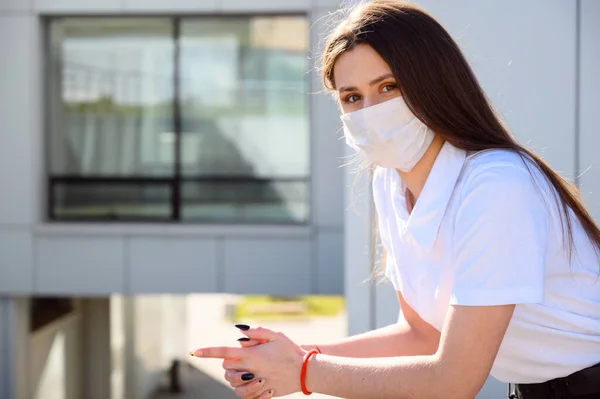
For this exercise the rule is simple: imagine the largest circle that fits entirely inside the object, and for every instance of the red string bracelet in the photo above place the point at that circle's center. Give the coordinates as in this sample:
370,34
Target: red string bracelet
303,372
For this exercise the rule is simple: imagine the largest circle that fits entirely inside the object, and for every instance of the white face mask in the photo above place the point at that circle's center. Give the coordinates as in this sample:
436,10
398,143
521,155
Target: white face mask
387,134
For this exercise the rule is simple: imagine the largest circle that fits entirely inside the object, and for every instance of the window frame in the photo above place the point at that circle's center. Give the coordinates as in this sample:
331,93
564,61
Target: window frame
177,180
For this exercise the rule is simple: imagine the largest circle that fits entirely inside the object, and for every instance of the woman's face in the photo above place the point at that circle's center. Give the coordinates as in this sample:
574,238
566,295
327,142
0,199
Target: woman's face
363,79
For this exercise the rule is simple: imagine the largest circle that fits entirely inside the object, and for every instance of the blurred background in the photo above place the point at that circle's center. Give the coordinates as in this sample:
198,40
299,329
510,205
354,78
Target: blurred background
172,167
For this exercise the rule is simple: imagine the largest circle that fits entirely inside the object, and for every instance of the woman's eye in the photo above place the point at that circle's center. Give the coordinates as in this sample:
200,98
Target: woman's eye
388,88
352,98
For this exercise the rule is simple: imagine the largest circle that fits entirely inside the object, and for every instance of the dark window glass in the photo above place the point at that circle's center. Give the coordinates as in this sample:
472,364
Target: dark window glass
249,200
118,200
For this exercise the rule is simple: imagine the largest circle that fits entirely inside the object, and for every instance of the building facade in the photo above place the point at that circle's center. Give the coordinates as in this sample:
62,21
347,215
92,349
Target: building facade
155,147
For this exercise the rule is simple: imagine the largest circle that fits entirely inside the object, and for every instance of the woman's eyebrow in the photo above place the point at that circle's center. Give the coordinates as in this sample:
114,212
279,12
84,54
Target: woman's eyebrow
371,83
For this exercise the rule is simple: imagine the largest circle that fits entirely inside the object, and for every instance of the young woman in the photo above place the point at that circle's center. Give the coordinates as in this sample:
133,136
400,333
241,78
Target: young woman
494,257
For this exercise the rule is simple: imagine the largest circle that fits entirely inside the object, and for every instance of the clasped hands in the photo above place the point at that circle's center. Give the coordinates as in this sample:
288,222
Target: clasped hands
267,363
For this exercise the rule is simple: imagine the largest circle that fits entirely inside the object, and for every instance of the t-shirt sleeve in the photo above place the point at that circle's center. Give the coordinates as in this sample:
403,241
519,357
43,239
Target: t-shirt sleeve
500,239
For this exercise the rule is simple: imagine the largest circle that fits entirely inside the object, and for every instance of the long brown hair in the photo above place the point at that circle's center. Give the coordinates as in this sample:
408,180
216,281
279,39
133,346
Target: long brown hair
441,89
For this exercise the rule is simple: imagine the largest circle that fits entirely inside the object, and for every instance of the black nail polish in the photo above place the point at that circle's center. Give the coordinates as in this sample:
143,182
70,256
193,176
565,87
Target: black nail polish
244,339
247,376
260,381
242,327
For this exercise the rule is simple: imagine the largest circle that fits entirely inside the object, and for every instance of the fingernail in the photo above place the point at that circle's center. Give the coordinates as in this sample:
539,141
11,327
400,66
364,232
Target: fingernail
247,376
270,392
244,339
196,353
242,327
192,353
260,381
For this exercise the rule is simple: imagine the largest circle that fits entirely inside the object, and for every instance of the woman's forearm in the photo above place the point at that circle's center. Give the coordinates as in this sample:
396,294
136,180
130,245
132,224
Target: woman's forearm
401,377
394,340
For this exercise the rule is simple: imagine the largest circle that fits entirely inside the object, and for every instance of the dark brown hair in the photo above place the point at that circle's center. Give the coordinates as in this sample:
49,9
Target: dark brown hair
441,89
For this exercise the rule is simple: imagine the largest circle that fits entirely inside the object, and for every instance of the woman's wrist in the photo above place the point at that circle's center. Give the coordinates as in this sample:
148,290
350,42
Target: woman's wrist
309,347
310,379
306,359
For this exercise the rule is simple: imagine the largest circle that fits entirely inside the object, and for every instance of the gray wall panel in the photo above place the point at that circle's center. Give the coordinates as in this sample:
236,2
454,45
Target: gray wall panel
16,71
277,266
79,265
174,265
589,105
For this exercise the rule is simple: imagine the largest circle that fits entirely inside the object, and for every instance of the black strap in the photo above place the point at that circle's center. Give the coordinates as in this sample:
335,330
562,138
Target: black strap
581,383
584,382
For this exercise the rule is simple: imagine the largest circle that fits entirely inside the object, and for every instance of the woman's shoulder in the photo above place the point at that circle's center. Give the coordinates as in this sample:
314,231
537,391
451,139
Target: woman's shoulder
501,175
501,166
478,161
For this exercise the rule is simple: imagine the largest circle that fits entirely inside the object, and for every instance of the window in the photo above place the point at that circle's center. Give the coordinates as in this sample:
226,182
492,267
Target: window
179,119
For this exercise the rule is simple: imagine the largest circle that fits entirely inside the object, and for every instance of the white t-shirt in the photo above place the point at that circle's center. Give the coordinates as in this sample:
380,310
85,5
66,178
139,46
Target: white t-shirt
485,232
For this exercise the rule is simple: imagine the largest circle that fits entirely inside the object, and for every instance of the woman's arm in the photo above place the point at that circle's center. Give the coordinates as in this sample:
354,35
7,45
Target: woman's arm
468,347
411,336
469,344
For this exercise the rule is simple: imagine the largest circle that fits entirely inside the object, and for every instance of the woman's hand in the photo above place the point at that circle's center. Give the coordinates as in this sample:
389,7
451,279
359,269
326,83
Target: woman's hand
237,378
277,358
253,388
